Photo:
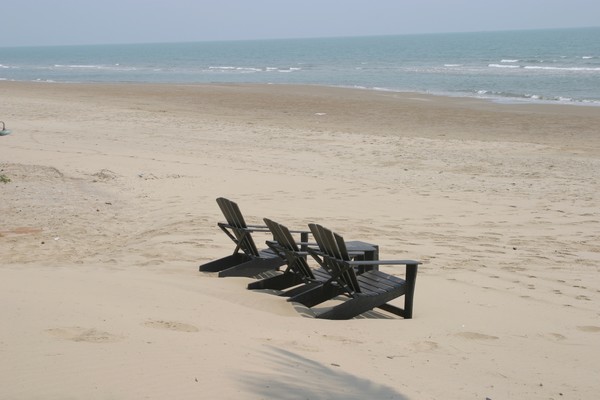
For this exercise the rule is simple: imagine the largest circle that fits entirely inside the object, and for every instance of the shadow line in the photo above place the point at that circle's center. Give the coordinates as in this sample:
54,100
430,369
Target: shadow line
298,377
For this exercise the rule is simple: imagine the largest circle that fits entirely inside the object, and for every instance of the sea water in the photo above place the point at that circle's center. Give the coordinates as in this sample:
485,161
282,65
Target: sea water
560,65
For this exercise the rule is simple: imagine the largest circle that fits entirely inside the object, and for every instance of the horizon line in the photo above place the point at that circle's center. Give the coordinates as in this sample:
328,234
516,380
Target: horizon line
296,37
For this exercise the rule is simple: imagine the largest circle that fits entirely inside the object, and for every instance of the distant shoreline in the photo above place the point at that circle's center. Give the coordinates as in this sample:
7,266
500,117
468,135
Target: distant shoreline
356,110
484,98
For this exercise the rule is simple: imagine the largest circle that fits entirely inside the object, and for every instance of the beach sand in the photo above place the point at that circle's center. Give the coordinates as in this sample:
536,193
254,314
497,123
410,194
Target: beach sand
111,207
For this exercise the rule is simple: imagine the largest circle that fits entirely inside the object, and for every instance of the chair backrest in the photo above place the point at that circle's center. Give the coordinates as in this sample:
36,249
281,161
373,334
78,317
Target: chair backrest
288,246
334,248
235,220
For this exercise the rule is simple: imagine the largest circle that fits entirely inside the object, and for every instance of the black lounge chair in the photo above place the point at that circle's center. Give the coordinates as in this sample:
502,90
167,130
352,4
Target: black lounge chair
371,289
294,254
298,272
246,259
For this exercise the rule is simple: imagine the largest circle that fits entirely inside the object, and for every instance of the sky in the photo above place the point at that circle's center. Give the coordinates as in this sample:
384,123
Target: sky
71,22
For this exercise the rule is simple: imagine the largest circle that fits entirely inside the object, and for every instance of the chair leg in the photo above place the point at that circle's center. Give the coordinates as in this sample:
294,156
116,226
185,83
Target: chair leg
348,309
358,305
252,267
317,295
411,279
393,310
279,282
301,289
224,263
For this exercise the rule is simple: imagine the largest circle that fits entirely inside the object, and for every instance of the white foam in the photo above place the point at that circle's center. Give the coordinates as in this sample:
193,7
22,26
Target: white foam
565,99
503,66
509,61
561,68
77,66
115,67
248,69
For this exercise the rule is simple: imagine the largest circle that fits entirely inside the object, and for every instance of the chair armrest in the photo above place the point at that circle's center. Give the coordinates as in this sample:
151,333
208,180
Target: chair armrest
258,228
355,253
247,228
313,244
384,262
299,231
315,249
308,244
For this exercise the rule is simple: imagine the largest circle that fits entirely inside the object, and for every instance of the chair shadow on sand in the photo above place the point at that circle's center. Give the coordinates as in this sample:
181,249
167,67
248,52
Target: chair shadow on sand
312,312
298,377
308,312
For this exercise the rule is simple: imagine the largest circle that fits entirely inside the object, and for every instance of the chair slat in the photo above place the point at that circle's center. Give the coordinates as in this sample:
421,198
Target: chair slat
370,289
246,259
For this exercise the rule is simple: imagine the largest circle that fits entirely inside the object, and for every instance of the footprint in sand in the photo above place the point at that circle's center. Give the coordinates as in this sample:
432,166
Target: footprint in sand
476,336
104,175
553,336
343,339
79,334
426,345
22,231
589,328
171,326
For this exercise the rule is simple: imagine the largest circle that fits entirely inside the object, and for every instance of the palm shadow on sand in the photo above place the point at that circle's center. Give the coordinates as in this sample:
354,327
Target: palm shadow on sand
298,377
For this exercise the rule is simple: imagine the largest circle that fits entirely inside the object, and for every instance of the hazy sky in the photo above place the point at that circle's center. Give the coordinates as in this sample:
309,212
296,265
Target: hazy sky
56,22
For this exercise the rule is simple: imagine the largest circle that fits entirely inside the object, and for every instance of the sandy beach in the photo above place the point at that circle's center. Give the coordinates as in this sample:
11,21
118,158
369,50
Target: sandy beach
110,208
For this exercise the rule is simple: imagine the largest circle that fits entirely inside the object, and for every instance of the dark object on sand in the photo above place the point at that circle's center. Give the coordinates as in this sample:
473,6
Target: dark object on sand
246,259
4,131
367,290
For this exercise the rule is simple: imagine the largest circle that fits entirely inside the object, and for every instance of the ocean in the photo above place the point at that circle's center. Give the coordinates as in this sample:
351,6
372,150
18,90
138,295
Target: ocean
560,65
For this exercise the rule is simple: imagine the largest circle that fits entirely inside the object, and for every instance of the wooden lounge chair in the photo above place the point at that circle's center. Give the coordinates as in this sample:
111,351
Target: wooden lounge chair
298,272
246,259
298,275
366,291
